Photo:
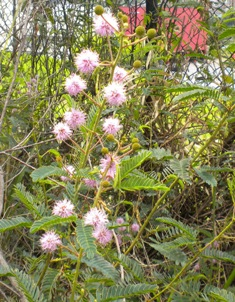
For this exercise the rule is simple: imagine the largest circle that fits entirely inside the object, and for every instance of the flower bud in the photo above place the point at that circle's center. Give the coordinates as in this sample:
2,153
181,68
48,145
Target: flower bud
140,31
104,150
105,183
136,146
151,33
125,19
99,10
137,64
110,137
135,140
120,14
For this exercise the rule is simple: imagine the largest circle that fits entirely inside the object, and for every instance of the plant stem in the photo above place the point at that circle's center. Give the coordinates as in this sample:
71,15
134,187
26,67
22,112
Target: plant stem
76,276
44,269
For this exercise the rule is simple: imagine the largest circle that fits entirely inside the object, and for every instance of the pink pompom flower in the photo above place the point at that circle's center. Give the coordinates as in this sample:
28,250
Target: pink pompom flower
105,25
62,131
86,61
111,125
108,166
63,208
135,227
119,74
120,220
95,217
70,171
115,94
91,183
50,241
74,118
74,84
102,235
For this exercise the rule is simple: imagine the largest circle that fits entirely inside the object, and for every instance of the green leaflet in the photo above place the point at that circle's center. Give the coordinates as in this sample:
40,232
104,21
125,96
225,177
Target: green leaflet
181,168
116,292
228,33
49,282
132,267
202,172
50,221
103,266
28,287
27,199
46,171
132,163
218,255
170,252
138,183
85,238
190,232
13,223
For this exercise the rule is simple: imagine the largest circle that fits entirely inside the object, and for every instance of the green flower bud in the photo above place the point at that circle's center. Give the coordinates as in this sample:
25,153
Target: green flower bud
104,150
110,137
99,10
151,33
140,31
125,19
135,140
136,146
137,64
105,183
120,14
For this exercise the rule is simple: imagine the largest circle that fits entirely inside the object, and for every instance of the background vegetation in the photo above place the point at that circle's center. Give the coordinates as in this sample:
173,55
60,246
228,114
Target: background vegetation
184,250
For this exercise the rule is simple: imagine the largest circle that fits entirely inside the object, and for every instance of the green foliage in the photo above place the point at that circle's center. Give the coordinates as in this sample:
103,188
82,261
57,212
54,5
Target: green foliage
218,255
48,222
28,287
117,292
135,183
132,266
181,168
100,264
128,165
203,173
85,239
45,171
13,223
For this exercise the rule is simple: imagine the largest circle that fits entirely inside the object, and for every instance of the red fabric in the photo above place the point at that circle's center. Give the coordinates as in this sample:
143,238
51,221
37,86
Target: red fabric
187,27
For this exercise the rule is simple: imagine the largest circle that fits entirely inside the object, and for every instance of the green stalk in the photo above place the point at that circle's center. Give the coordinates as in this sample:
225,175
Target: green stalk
230,279
44,269
76,276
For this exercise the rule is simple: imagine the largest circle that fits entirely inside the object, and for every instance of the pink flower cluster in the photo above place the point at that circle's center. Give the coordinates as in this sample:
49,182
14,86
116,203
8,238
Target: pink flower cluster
111,125
120,74
115,94
72,120
105,25
74,84
63,208
98,219
108,166
50,241
86,61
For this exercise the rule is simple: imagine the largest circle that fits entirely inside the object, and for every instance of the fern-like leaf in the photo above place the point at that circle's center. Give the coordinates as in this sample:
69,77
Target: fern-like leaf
28,287
161,153
27,199
45,171
50,221
49,282
190,232
139,183
170,252
85,238
202,172
117,292
103,266
218,255
132,267
181,168
128,165
13,223
220,295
